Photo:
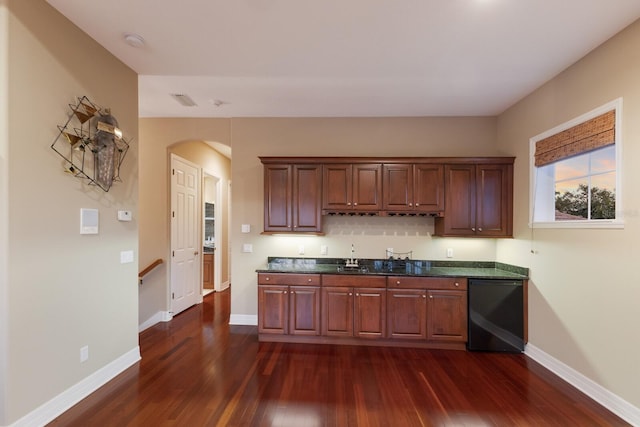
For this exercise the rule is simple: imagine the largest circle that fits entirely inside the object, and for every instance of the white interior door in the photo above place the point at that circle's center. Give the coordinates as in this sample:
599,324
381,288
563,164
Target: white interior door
186,242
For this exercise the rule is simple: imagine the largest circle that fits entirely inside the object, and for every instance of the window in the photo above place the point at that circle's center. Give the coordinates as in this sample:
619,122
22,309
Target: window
575,172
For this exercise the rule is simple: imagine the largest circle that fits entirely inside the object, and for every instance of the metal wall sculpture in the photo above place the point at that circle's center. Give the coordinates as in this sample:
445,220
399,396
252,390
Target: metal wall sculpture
91,144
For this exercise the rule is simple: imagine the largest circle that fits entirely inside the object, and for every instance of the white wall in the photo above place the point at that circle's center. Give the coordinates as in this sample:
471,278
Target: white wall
64,291
585,284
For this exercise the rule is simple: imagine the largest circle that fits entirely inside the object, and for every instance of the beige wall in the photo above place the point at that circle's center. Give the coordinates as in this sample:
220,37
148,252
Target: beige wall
250,138
63,290
158,138
585,291
461,136
4,204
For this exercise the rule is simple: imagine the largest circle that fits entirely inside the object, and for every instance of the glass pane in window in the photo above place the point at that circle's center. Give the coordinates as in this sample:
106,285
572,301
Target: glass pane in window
572,200
572,167
604,159
603,196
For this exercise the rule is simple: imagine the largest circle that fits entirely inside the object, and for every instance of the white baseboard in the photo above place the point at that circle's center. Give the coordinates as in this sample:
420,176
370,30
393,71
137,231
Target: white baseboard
65,400
243,319
609,400
161,316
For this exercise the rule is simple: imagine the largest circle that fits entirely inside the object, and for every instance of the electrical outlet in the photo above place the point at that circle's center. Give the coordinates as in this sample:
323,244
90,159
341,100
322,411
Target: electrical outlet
324,250
84,353
449,252
300,250
389,252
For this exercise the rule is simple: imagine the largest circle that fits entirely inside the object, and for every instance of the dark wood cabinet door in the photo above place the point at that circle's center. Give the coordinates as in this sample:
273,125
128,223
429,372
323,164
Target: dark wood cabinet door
460,202
304,310
397,187
428,187
273,309
447,315
207,271
407,314
277,197
337,311
337,187
494,200
370,309
307,198
367,187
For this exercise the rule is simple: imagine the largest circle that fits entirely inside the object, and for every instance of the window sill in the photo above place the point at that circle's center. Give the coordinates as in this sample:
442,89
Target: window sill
579,224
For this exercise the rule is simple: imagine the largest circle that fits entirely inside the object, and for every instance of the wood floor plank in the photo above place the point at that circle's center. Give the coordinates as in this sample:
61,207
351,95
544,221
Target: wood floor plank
197,370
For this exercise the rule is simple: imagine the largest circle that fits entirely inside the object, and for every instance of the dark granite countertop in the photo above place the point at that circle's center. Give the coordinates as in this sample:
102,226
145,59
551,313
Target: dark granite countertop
420,268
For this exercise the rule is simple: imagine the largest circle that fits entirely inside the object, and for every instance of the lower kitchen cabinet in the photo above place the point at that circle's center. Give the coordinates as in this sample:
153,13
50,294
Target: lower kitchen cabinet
207,271
358,309
289,304
370,312
447,315
349,309
431,308
407,314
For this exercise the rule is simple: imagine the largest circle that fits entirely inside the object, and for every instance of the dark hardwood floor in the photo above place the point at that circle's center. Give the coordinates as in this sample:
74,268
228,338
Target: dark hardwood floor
198,371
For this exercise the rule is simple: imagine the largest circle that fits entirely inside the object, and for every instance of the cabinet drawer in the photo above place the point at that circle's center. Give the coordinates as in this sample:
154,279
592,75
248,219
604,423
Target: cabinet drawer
358,281
403,282
288,279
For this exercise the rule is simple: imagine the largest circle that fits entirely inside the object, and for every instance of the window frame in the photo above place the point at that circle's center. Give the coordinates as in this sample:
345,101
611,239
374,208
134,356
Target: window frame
534,179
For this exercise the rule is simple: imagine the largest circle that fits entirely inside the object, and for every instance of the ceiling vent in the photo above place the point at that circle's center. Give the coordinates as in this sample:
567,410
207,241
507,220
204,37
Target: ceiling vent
184,99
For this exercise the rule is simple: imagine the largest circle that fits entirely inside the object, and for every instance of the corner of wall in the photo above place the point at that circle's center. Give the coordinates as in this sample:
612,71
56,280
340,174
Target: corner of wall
4,199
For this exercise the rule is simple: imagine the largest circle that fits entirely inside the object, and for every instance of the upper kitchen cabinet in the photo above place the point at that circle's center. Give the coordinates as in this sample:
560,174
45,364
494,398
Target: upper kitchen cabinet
352,188
413,188
478,199
292,198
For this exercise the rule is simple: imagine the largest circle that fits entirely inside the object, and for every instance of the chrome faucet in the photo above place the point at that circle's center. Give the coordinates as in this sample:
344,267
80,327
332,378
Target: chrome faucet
352,262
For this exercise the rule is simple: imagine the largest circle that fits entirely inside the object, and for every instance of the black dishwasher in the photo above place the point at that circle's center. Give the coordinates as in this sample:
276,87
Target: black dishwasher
496,319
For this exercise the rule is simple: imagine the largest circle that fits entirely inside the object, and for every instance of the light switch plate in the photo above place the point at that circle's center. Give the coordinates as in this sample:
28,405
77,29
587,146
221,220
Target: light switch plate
246,228
126,257
247,248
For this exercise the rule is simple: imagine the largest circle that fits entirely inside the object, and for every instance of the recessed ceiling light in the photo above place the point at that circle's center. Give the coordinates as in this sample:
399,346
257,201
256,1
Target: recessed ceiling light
134,40
184,99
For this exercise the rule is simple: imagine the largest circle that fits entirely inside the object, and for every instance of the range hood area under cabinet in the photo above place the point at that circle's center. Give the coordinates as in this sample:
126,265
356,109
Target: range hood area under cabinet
468,196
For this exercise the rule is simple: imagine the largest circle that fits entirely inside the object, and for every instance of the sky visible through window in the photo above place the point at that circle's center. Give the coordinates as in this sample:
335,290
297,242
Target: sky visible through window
585,185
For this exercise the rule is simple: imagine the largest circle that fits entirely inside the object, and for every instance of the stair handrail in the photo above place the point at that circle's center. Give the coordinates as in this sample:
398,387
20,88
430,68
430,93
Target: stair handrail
150,267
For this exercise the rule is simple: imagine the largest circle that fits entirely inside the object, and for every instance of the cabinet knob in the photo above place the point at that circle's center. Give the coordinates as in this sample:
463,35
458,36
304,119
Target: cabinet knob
473,229
480,229
348,203
411,204
417,204
309,280
424,296
267,279
397,282
196,253
431,296
457,284
357,294
285,292
350,293
355,204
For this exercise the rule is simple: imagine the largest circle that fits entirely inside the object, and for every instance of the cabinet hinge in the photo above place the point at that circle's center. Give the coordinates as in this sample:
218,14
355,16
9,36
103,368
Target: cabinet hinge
173,296
173,171
173,253
173,214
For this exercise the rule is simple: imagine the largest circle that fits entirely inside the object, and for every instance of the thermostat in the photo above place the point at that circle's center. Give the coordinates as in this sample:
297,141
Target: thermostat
124,215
